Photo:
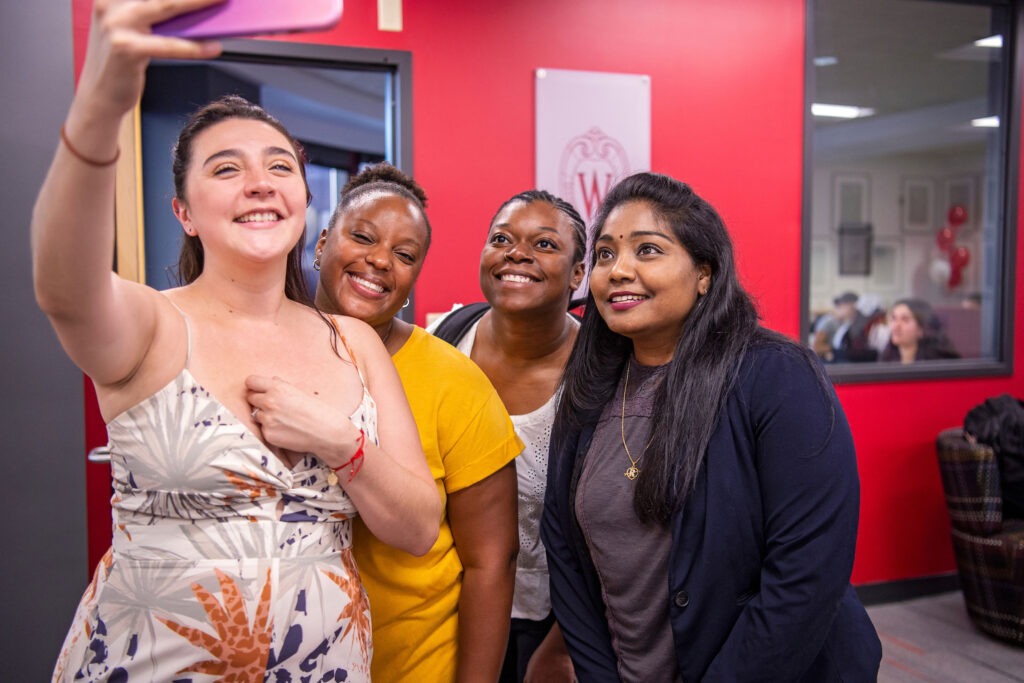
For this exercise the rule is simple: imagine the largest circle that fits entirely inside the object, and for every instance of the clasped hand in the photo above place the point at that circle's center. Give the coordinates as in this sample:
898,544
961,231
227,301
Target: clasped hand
298,422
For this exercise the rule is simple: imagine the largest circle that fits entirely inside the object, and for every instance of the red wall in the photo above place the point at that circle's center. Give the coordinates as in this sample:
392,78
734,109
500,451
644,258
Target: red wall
727,117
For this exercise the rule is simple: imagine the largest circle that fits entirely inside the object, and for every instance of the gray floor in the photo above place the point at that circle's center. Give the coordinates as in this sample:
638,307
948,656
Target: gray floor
931,639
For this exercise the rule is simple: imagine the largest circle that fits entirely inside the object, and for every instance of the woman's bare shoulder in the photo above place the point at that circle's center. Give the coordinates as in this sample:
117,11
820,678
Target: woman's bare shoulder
356,337
354,327
166,354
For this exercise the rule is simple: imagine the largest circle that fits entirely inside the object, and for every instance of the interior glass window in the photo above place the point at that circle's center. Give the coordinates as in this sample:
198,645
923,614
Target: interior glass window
907,212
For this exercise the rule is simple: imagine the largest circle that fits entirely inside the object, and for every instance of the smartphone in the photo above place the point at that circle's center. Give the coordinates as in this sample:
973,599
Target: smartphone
250,17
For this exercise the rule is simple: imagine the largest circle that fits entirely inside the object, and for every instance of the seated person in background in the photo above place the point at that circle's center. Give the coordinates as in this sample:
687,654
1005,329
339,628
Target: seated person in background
915,333
971,300
861,342
999,423
846,334
831,332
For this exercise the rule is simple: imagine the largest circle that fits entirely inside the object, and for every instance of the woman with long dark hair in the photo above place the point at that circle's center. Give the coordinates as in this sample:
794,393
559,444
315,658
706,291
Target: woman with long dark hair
915,333
702,500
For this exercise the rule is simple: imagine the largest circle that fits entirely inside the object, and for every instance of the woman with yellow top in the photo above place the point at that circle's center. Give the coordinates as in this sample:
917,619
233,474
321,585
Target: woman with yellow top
443,616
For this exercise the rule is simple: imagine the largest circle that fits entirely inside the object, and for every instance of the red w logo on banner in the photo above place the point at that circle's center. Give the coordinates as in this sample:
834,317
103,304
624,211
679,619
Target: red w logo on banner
591,163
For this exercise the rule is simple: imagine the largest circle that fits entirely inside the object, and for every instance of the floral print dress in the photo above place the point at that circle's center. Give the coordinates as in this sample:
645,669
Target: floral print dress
226,564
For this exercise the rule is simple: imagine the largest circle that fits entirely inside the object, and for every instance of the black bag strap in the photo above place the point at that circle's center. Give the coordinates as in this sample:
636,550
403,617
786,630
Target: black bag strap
455,325
581,302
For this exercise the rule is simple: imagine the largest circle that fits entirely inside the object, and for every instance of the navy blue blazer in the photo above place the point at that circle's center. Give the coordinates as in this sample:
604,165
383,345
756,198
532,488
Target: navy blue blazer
759,570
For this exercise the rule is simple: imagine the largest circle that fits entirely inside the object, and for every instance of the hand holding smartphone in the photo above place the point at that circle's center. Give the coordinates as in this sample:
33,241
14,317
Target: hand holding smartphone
250,17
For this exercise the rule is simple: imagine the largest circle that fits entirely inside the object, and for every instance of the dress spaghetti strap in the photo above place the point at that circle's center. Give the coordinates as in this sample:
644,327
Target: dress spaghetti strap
348,349
188,334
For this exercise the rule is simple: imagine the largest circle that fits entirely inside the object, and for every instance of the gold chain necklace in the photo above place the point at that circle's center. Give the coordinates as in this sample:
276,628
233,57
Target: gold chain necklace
632,472
387,335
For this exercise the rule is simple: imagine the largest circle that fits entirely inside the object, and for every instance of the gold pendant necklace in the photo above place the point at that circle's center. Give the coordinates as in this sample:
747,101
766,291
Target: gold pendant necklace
632,472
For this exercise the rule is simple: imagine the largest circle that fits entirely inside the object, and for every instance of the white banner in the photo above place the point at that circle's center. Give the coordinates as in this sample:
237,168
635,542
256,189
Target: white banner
593,129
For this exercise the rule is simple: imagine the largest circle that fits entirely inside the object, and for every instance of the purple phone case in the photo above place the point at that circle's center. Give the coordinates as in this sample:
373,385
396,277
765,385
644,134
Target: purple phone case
237,17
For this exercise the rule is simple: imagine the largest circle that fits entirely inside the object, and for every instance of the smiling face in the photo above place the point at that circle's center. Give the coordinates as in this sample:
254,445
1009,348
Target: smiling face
644,282
371,258
527,261
244,193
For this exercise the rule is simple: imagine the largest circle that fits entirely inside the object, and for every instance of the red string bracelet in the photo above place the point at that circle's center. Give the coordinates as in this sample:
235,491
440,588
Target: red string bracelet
355,463
84,159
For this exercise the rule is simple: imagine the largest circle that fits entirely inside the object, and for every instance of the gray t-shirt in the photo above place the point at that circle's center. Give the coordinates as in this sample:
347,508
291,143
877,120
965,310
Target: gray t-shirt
631,558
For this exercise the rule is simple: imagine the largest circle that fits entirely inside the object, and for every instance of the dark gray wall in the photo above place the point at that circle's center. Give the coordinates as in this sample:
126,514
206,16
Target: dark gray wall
42,507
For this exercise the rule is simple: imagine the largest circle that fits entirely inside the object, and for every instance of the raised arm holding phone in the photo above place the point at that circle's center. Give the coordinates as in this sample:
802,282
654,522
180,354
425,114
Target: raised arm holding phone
246,427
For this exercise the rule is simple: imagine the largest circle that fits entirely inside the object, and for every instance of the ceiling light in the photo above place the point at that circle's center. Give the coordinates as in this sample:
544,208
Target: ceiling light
840,111
986,122
825,61
991,41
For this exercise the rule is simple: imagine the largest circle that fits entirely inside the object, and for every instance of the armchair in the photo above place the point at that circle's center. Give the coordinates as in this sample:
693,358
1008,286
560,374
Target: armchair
989,549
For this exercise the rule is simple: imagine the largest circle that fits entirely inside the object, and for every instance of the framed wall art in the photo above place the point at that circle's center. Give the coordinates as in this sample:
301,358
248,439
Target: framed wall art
917,200
850,198
855,241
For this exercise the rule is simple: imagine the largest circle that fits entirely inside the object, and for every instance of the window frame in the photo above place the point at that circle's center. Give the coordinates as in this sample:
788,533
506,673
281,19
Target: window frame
1002,363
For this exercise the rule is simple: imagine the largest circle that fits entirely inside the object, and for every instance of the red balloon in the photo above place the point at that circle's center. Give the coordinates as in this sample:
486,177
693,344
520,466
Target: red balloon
945,238
959,257
956,216
955,277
